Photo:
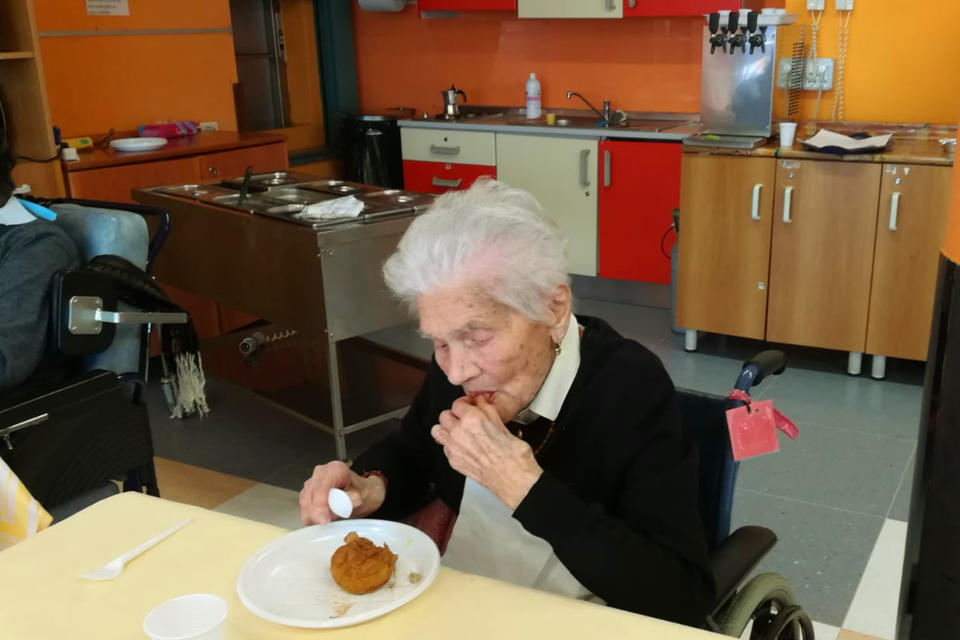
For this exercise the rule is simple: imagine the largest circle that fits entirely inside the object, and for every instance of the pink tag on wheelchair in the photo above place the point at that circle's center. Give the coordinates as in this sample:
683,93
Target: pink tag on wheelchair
753,430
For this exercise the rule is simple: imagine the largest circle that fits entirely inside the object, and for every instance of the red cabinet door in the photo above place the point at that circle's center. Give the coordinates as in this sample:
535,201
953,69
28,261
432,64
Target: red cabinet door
466,5
440,177
648,8
639,188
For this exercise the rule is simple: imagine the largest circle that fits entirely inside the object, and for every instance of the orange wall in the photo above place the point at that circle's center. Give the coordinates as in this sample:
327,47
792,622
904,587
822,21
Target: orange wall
897,70
637,64
103,82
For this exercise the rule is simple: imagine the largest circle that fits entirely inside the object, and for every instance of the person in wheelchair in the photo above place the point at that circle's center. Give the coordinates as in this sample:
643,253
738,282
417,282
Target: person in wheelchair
32,250
555,443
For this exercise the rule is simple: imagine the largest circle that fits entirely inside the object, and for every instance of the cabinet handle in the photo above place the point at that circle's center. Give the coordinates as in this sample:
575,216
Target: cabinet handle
787,199
611,5
633,4
584,157
755,212
213,171
606,168
441,182
894,210
445,150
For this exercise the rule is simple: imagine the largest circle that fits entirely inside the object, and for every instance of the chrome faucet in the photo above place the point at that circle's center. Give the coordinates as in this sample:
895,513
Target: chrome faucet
604,115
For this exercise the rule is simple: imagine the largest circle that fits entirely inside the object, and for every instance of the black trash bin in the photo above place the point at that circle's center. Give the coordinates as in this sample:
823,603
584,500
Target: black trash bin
371,150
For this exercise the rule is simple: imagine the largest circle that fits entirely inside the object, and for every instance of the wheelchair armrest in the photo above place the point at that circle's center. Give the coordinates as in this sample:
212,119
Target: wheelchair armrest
737,556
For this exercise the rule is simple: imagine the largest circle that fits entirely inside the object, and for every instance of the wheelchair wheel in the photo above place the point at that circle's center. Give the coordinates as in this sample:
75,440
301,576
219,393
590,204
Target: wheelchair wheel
769,602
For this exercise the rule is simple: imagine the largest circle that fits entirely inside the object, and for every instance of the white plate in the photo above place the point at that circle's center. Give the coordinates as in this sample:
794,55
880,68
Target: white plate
138,144
288,580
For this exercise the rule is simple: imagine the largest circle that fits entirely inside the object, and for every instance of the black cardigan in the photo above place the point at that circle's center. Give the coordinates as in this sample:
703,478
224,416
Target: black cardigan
618,496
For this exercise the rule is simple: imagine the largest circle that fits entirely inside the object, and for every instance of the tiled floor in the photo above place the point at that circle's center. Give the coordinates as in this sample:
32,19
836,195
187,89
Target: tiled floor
837,498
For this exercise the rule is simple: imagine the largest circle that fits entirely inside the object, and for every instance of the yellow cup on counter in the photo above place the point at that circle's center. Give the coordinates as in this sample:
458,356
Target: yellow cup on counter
551,119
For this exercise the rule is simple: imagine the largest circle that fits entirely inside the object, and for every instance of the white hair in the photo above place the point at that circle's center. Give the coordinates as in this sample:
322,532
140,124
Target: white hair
490,236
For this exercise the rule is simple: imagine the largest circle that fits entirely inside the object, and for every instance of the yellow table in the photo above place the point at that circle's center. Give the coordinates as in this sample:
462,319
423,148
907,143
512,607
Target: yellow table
42,597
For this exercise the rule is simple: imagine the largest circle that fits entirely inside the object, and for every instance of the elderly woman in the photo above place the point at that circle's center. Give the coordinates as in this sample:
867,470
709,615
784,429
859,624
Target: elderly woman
556,441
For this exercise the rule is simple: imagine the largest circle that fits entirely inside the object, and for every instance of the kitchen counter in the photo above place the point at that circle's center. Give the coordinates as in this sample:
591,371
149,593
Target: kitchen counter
200,143
904,148
640,126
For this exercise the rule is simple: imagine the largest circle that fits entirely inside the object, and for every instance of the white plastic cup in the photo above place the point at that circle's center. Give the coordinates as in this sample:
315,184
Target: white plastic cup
788,130
197,616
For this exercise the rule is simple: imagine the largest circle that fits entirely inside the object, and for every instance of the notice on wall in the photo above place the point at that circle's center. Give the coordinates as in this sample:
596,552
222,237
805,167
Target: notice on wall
108,8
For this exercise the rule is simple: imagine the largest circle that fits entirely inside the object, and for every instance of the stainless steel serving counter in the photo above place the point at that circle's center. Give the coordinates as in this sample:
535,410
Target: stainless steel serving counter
312,278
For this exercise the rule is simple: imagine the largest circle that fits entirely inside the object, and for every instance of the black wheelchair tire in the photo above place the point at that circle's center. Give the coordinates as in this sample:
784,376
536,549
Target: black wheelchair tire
761,591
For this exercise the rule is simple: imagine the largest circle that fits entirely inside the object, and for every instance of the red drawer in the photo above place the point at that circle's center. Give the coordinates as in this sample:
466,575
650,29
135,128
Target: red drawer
440,177
466,5
668,8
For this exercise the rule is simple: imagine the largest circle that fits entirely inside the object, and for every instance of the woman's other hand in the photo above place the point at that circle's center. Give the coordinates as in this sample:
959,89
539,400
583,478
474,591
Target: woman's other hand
478,445
367,494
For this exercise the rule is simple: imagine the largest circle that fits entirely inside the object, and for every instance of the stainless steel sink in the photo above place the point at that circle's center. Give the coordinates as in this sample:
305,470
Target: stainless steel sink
253,202
297,196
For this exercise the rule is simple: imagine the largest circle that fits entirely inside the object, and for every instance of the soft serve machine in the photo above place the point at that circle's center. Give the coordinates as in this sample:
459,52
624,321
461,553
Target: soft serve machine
737,77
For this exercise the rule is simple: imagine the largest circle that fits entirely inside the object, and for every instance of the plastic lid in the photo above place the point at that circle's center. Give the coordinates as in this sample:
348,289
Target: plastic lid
533,75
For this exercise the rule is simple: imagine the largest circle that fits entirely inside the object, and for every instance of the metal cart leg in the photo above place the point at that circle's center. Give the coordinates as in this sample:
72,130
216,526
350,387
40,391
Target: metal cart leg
854,363
690,340
878,368
336,406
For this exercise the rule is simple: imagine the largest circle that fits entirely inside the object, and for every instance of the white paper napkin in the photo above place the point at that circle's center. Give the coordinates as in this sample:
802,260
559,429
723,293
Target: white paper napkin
346,207
825,138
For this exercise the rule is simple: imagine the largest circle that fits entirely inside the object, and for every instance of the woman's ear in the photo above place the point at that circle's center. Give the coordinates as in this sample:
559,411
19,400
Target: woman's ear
560,306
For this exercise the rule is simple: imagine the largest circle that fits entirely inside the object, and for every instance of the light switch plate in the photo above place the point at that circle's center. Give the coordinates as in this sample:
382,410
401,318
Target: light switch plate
817,73
844,5
815,5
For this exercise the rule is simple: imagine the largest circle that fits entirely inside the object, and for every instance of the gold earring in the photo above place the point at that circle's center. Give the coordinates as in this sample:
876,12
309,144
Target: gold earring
556,350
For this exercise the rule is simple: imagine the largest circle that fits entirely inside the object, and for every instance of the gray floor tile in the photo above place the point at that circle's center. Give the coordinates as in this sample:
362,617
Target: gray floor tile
242,435
900,509
821,551
852,403
843,469
646,325
293,475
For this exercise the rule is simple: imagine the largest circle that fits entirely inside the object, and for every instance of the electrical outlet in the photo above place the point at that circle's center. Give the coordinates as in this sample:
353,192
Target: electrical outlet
844,5
815,5
817,73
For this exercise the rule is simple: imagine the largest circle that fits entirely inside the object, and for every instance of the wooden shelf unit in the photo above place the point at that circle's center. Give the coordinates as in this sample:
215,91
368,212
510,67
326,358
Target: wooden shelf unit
23,93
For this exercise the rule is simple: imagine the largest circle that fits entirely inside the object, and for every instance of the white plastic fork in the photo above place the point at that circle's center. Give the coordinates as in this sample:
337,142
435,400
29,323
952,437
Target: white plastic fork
114,568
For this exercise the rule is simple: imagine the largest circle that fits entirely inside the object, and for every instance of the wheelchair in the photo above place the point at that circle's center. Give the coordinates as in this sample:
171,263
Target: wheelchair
766,604
74,439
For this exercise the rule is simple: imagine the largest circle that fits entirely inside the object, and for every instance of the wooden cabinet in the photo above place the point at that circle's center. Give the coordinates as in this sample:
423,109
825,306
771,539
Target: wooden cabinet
114,183
648,8
570,8
440,177
639,187
821,260
725,219
231,164
562,174
911,222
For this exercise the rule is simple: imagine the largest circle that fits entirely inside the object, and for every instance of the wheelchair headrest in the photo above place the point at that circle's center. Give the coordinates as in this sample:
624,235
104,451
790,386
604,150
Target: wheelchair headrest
98,231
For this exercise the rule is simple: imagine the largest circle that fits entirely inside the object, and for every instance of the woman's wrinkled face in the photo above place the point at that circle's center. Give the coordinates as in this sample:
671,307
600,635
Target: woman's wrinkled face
486,347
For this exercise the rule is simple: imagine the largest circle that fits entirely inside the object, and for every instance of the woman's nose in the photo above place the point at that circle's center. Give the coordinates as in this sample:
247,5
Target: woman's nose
460,367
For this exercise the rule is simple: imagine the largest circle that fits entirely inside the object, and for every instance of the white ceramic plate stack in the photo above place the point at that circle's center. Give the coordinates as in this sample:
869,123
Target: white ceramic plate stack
138,144
288,580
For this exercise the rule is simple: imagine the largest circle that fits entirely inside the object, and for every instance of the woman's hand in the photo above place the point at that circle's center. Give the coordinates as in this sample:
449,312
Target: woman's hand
478,445
367,494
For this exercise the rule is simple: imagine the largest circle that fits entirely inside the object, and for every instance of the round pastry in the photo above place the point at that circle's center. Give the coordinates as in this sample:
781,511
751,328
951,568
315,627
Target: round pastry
360,566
